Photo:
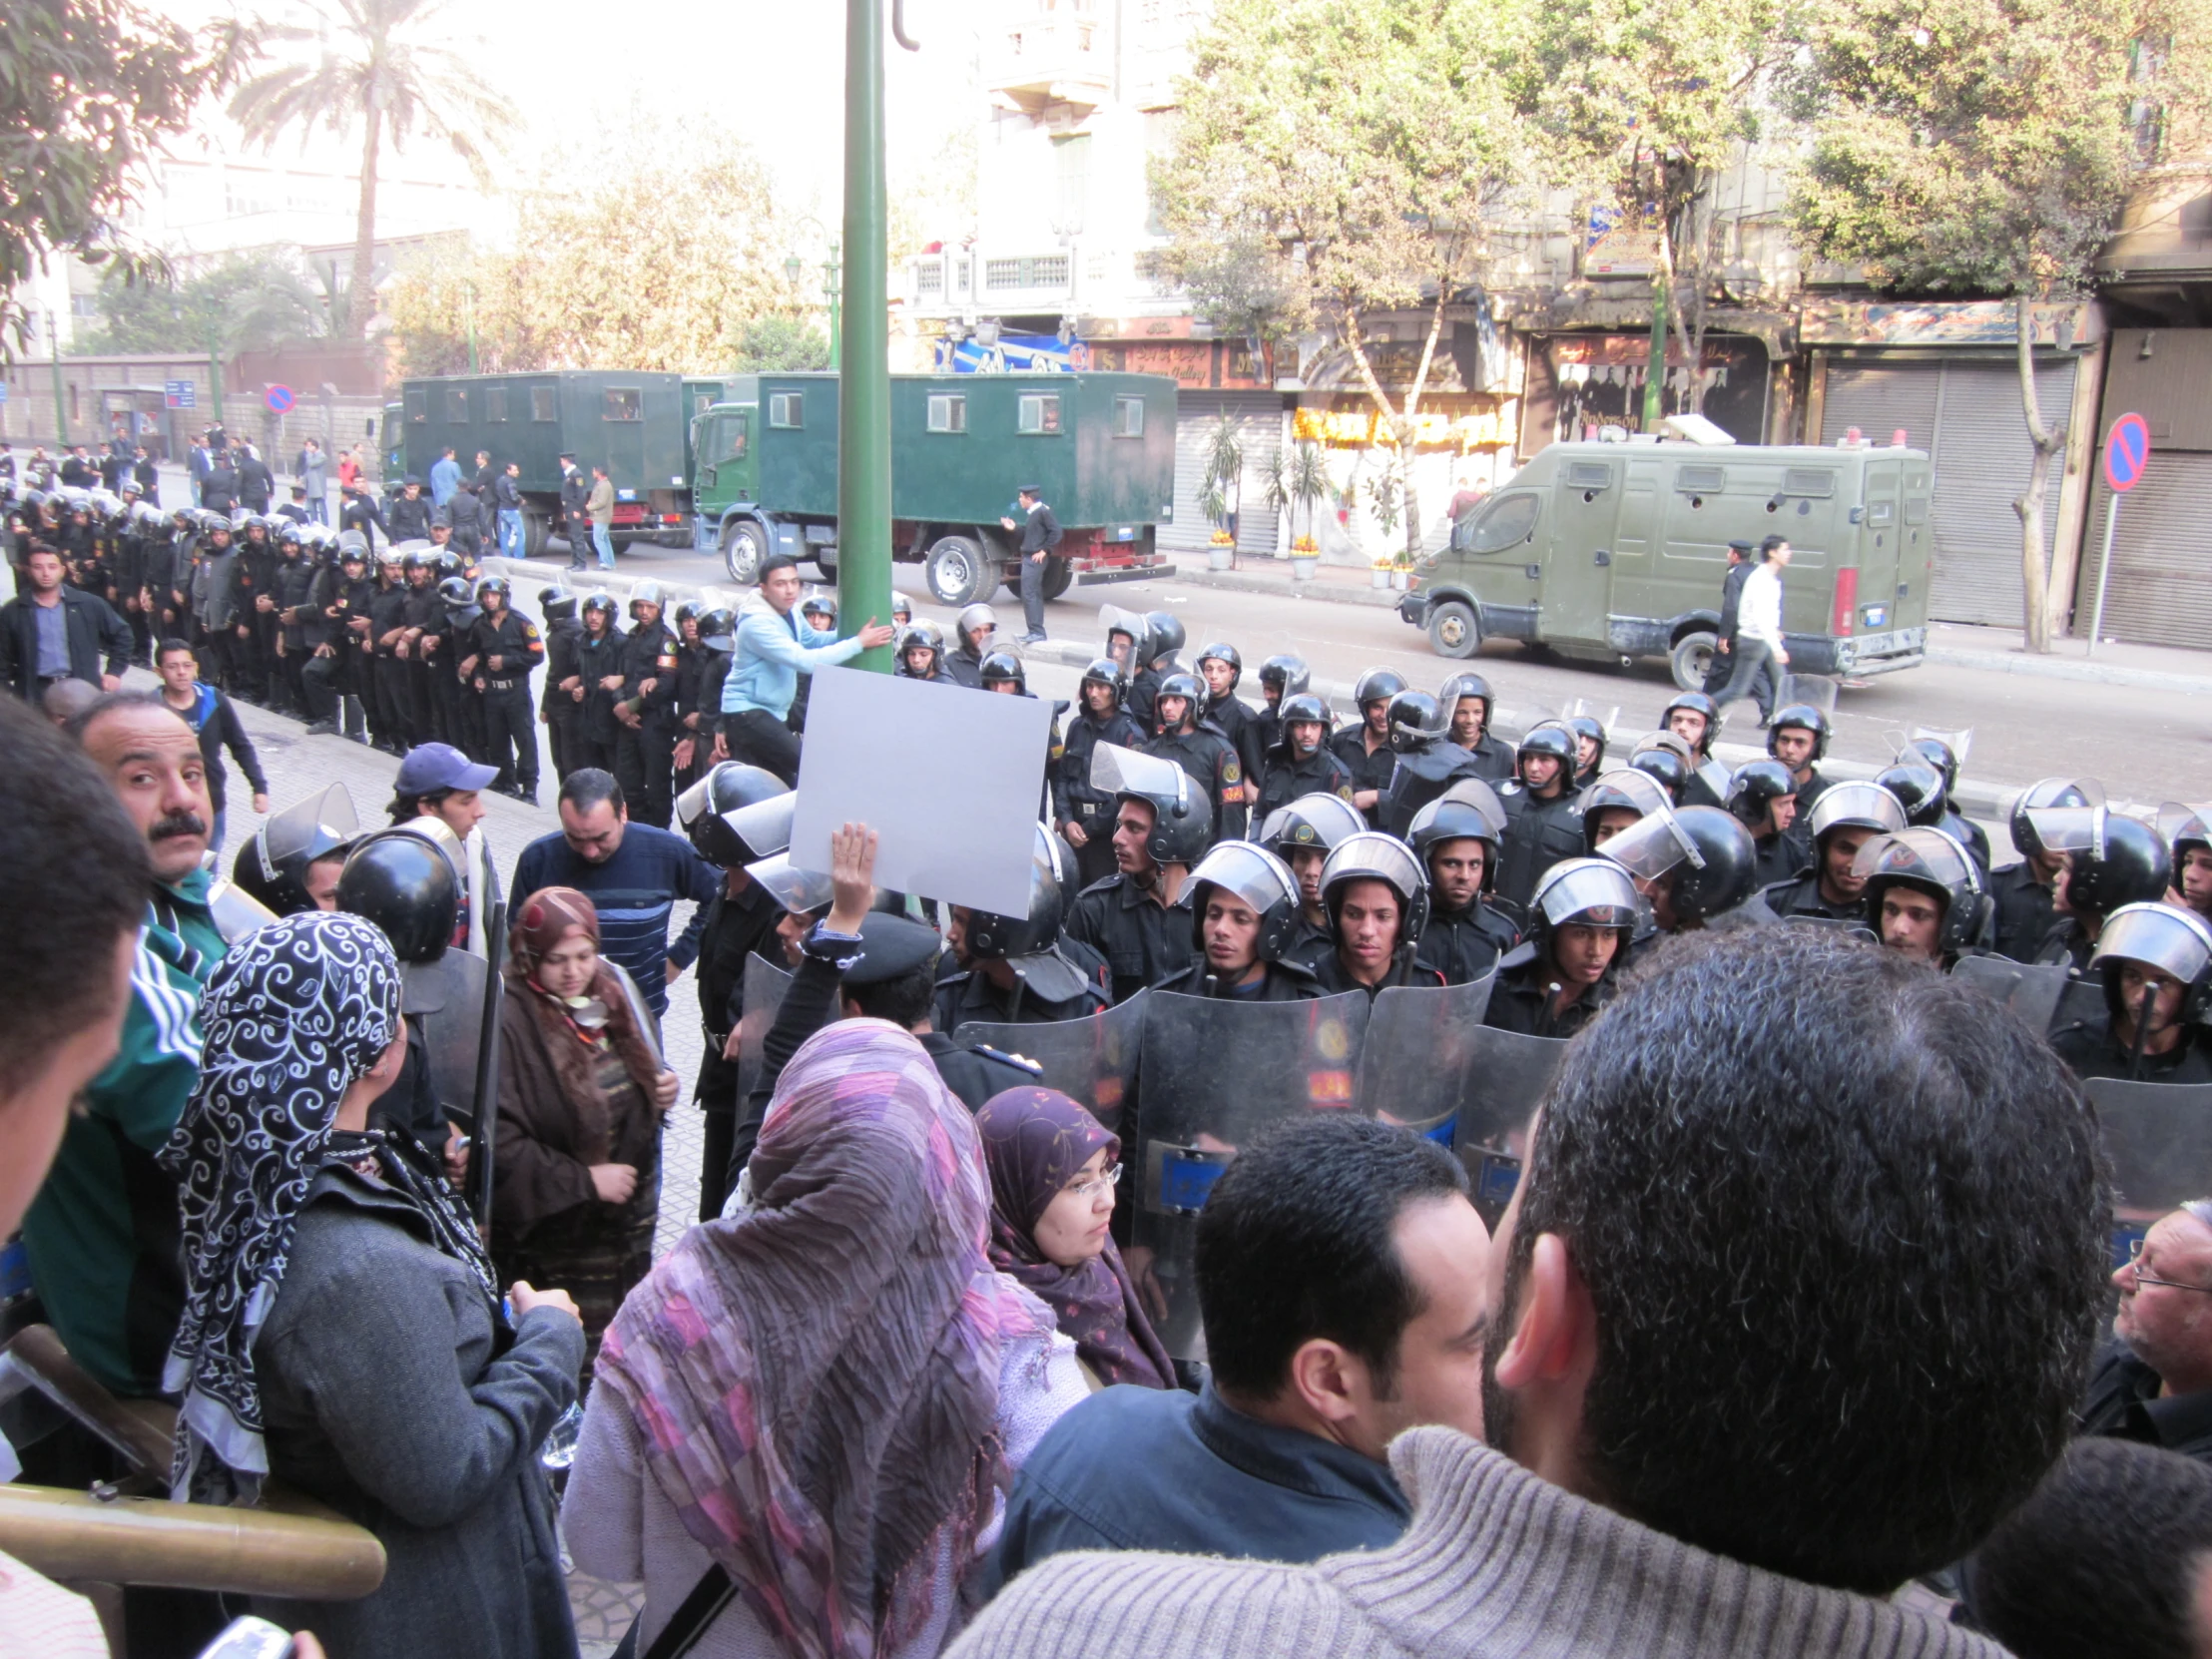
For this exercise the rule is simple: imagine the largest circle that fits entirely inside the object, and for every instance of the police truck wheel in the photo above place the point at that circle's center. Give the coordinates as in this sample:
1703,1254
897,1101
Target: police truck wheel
1691,656
1057,576
744,545
537,532
1453,629
957,572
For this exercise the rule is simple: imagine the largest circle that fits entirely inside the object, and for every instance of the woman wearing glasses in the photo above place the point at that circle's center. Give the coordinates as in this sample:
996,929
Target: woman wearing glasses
1053,1172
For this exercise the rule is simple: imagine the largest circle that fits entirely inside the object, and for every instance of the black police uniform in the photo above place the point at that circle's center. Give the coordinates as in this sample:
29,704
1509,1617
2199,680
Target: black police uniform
594,737
643,752
1209,760
1538,834
389,612
1142,941
1464,946
351,670
1406,969
691,718
2025,914
1246,731
423,609
1073,799
967,997
1368,771
300,587
410,520
737,926
1776,858
1493,759
1143,698
1419,777
1801,896
1522,998
361,513
515,642
2065,943
963,668
575,493
2092,1050
560,710
1284,981
1968,835
1723,664
1320,772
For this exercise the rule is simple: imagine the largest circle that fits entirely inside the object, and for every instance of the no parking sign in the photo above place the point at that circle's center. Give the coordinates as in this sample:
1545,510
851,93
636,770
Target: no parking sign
278,399
2126,454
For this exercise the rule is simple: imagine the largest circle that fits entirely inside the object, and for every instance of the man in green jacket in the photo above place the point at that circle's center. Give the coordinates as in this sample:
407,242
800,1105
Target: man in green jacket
102,1235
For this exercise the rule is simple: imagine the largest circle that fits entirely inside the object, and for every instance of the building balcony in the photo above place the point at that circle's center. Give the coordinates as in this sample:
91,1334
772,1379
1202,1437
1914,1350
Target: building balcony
1048,60
991,282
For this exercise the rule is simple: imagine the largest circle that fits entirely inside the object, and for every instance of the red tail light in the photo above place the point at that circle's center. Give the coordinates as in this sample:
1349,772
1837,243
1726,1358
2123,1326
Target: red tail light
1846,599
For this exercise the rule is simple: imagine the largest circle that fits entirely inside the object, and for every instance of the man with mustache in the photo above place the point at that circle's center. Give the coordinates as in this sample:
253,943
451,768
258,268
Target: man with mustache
102,1235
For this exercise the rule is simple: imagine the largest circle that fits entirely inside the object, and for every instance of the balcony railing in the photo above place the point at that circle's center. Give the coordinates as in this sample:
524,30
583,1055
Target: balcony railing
1050,59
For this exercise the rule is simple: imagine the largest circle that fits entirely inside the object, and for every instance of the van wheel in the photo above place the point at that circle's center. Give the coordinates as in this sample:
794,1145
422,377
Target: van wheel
1057,576
537,531
957,572
744,545
1691,658
1453,629
826,560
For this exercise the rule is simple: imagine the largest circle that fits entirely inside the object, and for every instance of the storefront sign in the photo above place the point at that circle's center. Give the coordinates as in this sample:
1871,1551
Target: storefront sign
1900,322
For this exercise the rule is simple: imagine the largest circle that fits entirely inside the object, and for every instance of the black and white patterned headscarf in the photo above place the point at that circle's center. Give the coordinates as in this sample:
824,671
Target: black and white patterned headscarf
296,1013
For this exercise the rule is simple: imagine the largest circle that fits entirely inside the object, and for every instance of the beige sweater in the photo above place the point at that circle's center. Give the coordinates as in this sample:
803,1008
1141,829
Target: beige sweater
1495,1562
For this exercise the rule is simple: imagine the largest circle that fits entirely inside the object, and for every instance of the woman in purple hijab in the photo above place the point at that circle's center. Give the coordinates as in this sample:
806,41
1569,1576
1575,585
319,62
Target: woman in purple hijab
1053,1170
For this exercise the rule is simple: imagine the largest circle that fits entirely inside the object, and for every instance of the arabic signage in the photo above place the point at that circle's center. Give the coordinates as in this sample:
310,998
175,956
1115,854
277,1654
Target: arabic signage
1982,323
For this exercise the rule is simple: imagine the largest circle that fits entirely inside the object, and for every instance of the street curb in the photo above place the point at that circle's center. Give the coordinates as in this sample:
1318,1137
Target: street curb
1285,587
2060,668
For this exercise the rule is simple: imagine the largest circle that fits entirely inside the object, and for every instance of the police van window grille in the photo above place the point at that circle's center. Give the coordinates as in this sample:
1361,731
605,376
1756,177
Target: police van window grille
1705,478
621,403
1808,480
418,407
495,403
948,412
1039,414
786,409
1589,475
456,406
545,403
1128,417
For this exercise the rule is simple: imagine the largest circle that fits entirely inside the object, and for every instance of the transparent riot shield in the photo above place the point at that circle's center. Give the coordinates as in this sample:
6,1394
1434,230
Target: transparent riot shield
1213,1074
2158,1137
765,984
1414,1065
448,999
2030,989
1505,1075
1092,1060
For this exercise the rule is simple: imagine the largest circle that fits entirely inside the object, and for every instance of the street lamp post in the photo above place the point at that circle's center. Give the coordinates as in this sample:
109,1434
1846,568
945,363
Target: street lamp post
61,409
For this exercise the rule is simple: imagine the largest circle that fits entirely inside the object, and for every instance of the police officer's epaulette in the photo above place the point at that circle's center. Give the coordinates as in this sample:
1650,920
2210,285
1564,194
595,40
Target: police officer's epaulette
1017,1061
1102,883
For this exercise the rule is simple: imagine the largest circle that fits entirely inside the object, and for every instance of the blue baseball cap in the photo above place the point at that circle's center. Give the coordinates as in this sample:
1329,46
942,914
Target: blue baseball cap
430,767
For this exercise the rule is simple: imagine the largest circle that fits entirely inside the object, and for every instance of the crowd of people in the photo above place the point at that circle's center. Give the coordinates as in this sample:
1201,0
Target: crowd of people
1714,1375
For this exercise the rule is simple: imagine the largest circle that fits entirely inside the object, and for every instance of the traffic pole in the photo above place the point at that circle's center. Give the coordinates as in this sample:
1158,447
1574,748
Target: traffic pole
2104,570
215,377
61,407
863,344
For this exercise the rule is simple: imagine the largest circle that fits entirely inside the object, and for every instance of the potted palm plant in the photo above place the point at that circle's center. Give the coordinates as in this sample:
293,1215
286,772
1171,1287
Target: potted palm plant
1222,491
1304,481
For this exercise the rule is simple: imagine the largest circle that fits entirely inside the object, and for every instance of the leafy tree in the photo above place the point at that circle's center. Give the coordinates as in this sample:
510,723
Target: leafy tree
89,90
243,303
1987,147
387,69
779,344
1333,161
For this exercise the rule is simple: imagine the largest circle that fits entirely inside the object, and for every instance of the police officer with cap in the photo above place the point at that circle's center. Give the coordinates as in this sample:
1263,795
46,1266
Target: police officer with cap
1925,895
1017,969
1466,702
1366,748
1244,909
1201,749
1377,903
1740,566
1456,836
1086,814
1041,539
1543,814
1581,919
2156,964
1301,762
1139,919
1302,834
1844,820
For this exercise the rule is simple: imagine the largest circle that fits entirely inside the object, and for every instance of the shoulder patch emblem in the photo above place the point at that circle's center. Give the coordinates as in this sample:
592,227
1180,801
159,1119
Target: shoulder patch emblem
1231,773
529,630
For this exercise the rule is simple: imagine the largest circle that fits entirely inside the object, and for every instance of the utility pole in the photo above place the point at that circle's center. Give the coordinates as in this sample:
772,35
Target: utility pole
831,291
61,408
214,373
1655,369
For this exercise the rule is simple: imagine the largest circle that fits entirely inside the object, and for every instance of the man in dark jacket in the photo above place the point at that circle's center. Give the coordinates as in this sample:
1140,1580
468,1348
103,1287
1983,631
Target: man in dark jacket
56,632
1041,539
575,493
410,513
1740,567
2154,1382
257,484
361,514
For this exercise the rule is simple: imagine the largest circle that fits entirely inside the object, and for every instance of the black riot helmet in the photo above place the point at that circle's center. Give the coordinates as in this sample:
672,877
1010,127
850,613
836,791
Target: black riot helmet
690,611
979,618
1416,720
1136,630
1927,750
272,866
495,584
1587,728
405,885
1698,704
1378,684
454,590
1756,787
1854,806
1371,856
1462,686
1667,759
601,600
557,606
1933,863
717,629
2175,941
2110,860
1259,879
1284,676
1468,811
1704,855
1003,668
1322,820
1182,818
2049,791
1104,671
1805,717
2185,829
1920,791
1191,689
1548,737
1585,893
1165,635
1624,789
1305,709
924,635
1051,882
1221,651
712,812
645,592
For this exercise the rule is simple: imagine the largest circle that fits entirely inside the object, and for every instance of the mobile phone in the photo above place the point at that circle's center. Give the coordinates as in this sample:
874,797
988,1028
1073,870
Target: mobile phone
250,1638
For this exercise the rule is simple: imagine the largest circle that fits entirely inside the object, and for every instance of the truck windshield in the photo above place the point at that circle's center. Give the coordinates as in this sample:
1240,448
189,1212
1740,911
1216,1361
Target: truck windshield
1505,523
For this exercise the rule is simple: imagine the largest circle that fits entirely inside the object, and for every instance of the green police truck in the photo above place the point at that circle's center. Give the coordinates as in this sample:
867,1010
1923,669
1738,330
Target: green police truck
1609,549
1101,447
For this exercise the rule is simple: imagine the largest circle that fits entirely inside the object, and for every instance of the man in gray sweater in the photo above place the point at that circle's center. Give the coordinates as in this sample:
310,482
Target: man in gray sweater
1794,1300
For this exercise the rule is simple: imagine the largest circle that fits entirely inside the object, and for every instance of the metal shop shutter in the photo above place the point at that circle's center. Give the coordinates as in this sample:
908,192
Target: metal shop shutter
1878,398
2161,587
1259,419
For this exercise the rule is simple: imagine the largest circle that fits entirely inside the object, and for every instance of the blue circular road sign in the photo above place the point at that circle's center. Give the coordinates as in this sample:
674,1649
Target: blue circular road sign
2126,451
278,399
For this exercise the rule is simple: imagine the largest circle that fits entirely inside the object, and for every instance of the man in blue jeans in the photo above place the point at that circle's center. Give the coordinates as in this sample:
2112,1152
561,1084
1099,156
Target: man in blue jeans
507,499
599,507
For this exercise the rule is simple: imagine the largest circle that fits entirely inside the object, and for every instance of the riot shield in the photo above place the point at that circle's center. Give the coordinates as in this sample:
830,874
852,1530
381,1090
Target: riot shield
2158,1137
1415,1063
765,984
1210,1075
1505,1077
448,999
2030,989
1092,1060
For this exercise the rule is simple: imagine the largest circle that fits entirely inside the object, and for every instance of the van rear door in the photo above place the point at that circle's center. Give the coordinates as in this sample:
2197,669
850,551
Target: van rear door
1576,596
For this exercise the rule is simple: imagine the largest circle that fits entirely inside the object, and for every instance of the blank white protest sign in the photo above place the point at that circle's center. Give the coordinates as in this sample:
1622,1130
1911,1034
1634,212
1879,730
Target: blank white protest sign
948,779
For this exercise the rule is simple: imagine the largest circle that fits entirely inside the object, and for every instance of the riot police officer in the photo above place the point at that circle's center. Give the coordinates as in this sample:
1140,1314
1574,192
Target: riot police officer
1798,737
1696,719
294,860
1018,971
1378,902
1455,838
557,708
817,609
2023,891
599,652
1667,760
1244,910
921,653
1844,820
1139,919
646,700
1163,638
1614,800
1085,814
1126,637
1220,666
1303,833
1924,894
1426,761
349,667
1693,868
1282,675
1926,749
507,646
1365,748
2189,835
1580,921
1589,747
1201,749
1763,794
2111,860
693,719
2156,964
1543,817
388,626
1467,702
1301,764
423,611
973,629
301,626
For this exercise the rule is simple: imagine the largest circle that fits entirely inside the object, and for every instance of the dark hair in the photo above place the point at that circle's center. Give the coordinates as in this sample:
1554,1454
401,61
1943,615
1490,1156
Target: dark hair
587,787
1294,1243
1845,1229
405,808
2101,1560
904,1000
1769,545
74,877
772,564
82,721
173,644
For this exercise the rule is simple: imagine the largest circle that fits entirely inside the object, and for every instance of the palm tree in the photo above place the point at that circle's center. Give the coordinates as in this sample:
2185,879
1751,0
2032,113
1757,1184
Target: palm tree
391,68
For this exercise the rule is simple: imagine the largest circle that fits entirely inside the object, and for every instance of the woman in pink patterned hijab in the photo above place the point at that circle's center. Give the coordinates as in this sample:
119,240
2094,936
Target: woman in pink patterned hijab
814,1387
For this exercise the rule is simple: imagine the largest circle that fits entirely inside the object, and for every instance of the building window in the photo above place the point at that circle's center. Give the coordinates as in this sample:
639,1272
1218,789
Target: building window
621,403
418,407
495,403
1039,412
786,409
929,279
545,403
1128,417
456,406
947,412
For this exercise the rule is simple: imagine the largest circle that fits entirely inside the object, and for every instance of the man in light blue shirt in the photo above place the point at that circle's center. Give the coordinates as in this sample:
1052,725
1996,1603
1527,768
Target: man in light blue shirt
446,477
774,648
